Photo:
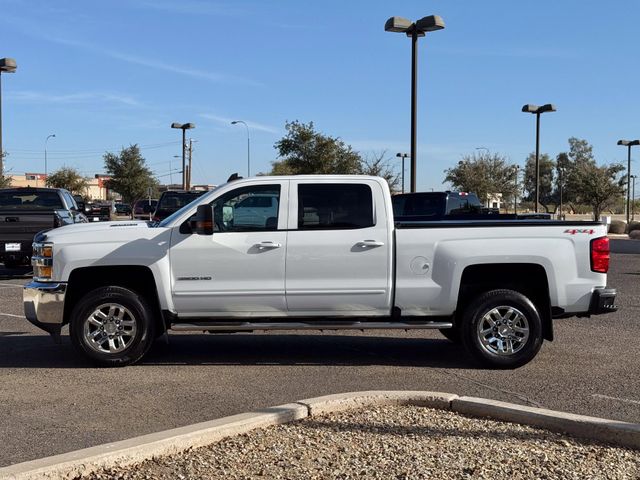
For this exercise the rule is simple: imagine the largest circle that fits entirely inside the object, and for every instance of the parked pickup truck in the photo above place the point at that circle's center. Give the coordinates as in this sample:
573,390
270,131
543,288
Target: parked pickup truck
26,211
330,257
451,206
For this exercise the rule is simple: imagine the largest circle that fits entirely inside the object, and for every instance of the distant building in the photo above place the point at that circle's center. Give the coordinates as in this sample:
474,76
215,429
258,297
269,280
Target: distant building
96,186
494,200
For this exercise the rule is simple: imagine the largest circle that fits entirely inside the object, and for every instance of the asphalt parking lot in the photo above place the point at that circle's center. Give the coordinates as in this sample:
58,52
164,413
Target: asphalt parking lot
52,401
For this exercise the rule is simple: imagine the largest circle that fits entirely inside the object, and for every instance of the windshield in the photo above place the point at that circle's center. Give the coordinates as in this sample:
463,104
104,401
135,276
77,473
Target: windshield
177,200
179,213
424,204
30,200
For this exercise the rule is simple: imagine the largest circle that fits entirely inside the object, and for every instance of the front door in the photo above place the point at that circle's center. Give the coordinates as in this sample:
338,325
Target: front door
240,268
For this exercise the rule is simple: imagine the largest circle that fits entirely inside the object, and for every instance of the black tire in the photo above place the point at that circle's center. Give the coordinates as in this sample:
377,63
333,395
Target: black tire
523,313
135,313
451,334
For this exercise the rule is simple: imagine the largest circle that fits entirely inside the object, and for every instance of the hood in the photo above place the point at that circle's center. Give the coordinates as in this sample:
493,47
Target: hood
99,232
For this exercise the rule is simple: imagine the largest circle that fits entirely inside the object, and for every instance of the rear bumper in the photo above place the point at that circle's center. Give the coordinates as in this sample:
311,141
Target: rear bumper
603,300
44,305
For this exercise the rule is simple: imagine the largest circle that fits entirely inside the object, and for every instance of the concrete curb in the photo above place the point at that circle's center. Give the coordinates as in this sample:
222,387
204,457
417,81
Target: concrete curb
82,462
608,431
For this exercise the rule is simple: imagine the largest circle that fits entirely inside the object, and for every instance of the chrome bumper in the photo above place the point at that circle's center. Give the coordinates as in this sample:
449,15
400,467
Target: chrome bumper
44,304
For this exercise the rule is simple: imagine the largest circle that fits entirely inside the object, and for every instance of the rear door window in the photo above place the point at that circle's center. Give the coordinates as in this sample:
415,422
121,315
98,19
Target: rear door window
334,206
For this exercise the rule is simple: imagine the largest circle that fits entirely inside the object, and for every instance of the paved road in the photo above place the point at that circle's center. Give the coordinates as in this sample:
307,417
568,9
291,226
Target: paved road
51,401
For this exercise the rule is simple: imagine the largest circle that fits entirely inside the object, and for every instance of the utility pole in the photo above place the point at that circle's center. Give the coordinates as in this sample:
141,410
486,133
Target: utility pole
190,164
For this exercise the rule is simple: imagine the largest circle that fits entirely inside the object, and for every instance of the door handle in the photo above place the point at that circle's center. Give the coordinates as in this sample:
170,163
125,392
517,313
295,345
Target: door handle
370,244
267,245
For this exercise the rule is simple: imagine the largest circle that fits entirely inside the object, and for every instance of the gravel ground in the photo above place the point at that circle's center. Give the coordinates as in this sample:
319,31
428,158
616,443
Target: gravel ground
392,443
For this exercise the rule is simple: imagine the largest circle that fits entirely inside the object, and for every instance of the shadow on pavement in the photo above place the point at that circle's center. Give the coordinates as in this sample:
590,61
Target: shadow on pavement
18,272
39,351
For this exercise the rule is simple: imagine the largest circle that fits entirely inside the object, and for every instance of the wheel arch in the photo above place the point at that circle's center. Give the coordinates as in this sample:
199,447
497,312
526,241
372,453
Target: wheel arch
138,279
530,279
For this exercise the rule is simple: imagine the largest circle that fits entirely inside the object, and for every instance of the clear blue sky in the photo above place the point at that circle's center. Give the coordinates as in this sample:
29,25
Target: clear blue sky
102,75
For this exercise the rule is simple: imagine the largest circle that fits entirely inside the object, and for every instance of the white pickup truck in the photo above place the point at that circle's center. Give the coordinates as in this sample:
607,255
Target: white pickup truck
322,253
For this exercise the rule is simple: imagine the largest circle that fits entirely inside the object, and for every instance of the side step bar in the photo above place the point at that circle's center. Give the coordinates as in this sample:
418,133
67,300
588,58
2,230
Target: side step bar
249,326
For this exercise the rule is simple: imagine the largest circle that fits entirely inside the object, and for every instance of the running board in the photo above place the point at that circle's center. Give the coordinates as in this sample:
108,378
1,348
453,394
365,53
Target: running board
249,326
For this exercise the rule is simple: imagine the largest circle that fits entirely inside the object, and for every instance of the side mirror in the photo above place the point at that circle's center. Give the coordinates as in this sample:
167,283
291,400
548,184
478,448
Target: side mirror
204,220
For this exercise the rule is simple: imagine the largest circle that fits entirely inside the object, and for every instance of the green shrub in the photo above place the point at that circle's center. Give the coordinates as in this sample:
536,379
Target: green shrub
617,226
635,234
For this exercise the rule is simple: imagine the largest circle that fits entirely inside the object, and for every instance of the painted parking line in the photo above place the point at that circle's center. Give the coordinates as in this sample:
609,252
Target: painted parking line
11,285
11,315
607,397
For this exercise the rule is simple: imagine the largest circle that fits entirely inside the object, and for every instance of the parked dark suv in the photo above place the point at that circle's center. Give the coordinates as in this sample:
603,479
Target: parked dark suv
27,211
172,201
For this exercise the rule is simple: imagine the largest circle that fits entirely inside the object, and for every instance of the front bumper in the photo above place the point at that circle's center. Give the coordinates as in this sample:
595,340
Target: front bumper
44,304
603,300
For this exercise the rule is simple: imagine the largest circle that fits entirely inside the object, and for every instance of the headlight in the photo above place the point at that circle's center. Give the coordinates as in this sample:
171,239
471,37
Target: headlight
42,261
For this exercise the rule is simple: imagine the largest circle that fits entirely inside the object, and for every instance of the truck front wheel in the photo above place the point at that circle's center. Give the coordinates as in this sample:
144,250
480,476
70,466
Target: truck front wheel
502,329
113,326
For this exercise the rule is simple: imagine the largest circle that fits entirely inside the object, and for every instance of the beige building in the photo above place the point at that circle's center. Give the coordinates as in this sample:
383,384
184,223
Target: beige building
96,188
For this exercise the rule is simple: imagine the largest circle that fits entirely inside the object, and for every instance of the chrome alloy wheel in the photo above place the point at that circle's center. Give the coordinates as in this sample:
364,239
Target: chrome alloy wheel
503,330
110,328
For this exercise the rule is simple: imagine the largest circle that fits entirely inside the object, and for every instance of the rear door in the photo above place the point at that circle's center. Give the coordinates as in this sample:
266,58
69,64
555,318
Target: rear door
339,251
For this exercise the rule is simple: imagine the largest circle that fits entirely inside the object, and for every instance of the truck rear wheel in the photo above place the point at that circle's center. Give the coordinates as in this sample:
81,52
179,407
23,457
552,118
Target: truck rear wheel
502,329
112,326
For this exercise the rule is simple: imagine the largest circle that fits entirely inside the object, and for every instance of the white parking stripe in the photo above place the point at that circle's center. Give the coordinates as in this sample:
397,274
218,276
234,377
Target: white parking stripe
625,400
12,315
10,285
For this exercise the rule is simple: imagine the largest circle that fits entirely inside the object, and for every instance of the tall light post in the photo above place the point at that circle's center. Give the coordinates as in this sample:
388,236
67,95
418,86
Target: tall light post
516,168
538,110
633,198
561,172
45,154
414,30
235,122
7,65
628,144
184,127
402,156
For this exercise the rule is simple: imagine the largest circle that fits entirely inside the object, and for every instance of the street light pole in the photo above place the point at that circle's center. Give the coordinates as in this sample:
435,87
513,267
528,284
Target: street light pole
7,65
235,122
414,30
184,127
538,111
515,194
403,156
561,171
45,154
633,198
628,144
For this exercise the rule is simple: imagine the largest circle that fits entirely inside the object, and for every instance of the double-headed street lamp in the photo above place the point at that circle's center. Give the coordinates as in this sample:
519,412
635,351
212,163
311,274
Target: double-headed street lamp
538,110
414,30
184,127
402,156
53,135
7,65
628,144
235,122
